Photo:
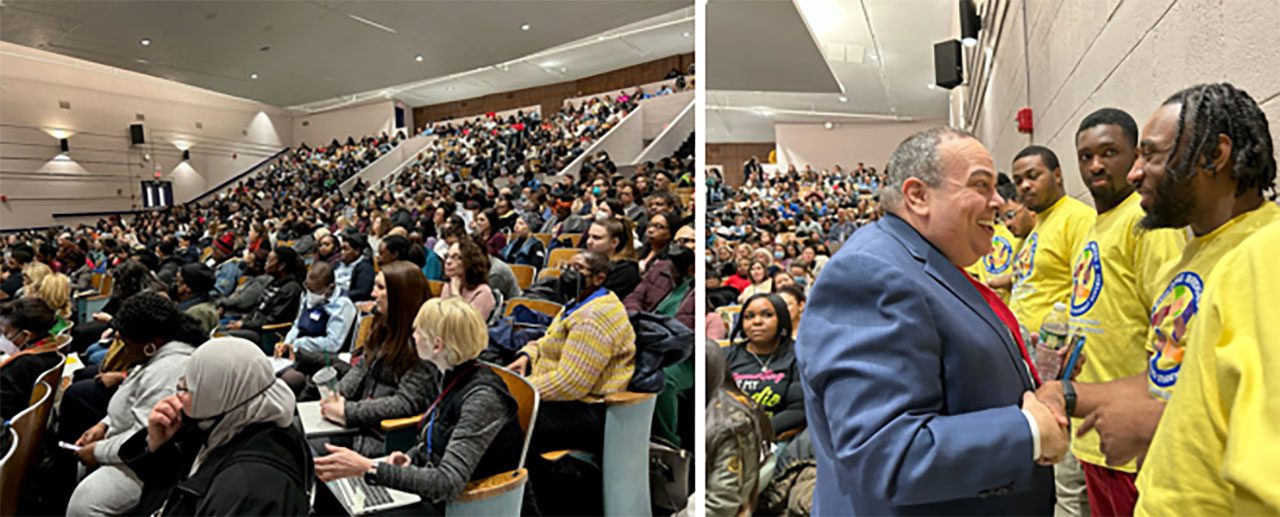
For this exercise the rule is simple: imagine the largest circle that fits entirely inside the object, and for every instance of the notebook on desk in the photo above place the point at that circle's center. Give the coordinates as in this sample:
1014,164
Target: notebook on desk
360,498
314,424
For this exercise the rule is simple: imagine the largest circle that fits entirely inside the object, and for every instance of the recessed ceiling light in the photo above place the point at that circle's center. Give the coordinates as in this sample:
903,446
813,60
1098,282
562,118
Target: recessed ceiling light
873,57
525,27
549,64
450,88
932,86
828,125
563,69
146,42
686,34
844,99
418,58
253,76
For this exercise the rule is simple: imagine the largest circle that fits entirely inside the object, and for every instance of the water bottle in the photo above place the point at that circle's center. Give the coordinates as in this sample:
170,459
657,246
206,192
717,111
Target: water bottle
1053,335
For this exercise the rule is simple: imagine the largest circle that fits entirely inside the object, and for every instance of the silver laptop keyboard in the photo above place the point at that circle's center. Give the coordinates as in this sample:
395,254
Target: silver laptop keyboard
374,496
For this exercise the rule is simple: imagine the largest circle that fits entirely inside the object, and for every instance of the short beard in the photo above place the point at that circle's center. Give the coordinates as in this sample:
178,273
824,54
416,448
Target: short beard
1174,200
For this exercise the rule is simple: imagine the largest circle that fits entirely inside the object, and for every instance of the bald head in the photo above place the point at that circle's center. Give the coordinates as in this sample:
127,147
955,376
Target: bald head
319,277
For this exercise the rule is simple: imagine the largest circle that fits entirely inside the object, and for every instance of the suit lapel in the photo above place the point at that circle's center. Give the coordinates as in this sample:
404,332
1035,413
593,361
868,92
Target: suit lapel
953,279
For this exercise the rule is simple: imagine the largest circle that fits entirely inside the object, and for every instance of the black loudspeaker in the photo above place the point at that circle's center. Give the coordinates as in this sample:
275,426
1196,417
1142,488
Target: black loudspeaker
948,68
135,134
970,22
186,155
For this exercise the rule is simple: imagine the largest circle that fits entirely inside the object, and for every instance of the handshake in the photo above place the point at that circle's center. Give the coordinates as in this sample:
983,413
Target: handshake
1052,423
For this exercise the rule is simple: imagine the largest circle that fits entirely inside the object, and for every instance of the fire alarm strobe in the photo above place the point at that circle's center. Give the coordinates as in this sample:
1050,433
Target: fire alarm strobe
1024,120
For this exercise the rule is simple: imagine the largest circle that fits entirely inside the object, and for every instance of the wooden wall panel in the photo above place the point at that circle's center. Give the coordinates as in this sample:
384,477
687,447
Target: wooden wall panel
731,157
552,96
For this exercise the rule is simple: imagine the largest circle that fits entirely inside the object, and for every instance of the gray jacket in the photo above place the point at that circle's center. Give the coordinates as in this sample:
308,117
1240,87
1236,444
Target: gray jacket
145,386
502,279
246,297
374,394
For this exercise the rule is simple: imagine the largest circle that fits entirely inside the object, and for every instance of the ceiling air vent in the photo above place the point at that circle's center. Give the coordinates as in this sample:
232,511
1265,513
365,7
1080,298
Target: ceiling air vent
199,125
66,105
139,117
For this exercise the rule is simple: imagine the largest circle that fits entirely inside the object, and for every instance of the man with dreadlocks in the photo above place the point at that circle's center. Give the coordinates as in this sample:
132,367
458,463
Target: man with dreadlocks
1205,161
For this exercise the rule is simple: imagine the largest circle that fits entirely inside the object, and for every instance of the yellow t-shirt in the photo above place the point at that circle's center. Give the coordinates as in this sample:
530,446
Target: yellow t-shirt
1215,450
1113,284
1000,261
1183,289
1042,267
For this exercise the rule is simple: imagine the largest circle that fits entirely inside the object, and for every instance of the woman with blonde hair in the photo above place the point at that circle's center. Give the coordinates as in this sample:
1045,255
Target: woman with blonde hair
469,432
32,275
55,290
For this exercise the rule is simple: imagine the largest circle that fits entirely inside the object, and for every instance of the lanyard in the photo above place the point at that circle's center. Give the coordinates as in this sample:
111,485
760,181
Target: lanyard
429,418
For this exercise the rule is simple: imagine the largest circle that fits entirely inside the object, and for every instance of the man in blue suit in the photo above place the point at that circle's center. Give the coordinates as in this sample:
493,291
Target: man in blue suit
919,399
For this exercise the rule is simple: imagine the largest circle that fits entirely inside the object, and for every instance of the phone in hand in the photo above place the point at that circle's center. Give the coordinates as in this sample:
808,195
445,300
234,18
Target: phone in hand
1076,348
69,446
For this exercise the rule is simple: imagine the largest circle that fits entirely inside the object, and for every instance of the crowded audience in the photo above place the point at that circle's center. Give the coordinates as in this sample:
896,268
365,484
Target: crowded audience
243,301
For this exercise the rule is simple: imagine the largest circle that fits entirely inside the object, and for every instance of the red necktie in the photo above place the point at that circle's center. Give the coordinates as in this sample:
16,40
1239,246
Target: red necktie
1006,316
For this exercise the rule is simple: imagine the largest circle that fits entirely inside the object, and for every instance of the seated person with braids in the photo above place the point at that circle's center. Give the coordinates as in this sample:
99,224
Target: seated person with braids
158,339
320,330
29,349
387,379
472,431
279,301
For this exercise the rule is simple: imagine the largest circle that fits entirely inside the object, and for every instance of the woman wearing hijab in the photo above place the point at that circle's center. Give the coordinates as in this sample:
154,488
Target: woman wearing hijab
470,431
225,443
158,340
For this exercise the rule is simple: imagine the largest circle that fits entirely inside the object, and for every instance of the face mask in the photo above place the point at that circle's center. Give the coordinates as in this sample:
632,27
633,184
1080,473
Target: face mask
7,346
777,255
802,281
197,430
570,284
314,299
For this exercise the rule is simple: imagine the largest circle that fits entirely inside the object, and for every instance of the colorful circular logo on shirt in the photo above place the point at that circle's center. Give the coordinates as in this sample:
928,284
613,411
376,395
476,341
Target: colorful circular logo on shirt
1086,280
1001,256
1026,259
1170,319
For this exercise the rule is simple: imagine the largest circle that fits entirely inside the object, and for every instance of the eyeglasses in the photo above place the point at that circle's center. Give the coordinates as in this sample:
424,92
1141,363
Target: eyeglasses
182,386
686,241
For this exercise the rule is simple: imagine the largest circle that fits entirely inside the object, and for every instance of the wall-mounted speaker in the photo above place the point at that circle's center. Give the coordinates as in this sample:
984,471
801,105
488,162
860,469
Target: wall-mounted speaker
64,145
948,65
135,134
186,155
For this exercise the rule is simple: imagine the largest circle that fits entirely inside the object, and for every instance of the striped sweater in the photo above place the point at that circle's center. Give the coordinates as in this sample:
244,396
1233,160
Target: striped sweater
585,356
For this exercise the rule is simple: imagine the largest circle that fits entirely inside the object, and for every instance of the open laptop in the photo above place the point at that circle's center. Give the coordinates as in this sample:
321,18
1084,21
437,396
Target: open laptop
314,424
359,498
